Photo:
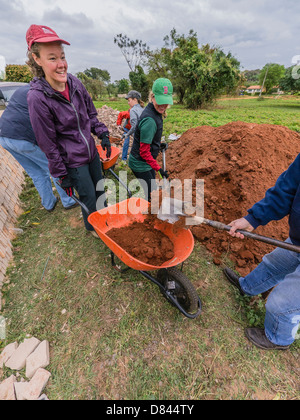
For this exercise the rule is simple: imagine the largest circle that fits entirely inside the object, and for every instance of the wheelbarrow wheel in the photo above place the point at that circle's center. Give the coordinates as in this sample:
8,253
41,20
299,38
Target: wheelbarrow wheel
180,287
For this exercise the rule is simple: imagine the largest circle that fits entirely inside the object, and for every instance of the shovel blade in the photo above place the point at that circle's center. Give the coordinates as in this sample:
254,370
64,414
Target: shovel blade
170,210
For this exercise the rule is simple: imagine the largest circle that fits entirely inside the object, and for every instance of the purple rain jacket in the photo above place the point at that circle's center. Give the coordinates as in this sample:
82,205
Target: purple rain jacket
62,128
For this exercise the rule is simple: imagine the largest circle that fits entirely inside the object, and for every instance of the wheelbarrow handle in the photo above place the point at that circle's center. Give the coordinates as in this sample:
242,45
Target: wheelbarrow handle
265,239
82,205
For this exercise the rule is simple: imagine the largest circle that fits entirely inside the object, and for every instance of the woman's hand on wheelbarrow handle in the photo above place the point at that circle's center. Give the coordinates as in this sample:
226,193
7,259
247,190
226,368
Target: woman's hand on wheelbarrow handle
66,184
82,205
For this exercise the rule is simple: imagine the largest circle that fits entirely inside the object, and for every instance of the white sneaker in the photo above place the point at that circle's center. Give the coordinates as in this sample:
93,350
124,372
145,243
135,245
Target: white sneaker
94,234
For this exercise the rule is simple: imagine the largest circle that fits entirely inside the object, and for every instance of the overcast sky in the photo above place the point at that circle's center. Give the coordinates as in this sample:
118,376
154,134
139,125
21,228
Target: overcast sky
256,32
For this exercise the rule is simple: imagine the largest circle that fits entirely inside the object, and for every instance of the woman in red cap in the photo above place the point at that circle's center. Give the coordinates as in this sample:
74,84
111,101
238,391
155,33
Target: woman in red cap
63,117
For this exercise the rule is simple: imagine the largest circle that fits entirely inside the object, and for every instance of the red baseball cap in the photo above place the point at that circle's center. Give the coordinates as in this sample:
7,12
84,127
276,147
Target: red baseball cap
41,33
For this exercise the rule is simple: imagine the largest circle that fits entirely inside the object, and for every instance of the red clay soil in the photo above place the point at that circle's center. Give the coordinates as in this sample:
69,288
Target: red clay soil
239,162
144,242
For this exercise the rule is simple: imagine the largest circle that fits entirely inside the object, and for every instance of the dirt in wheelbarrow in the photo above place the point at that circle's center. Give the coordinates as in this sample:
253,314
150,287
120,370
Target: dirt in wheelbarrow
238,162
144,242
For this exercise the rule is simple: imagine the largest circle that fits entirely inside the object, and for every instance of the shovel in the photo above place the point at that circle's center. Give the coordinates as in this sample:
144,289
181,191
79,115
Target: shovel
171,209
163,148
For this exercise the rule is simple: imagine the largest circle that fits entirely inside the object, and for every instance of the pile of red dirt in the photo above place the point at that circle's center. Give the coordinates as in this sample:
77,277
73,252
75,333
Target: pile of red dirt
144,242
238,162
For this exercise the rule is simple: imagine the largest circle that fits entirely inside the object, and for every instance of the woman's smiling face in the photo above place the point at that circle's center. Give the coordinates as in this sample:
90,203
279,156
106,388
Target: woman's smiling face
53,61
159,108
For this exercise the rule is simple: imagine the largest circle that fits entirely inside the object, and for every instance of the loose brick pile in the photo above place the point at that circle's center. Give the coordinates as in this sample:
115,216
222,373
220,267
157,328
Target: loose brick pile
11,181
32,354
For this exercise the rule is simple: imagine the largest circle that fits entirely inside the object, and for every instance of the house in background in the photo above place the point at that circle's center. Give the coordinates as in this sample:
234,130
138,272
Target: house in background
254,89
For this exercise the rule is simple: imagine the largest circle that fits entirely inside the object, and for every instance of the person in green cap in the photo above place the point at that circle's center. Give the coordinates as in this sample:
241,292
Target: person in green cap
148,134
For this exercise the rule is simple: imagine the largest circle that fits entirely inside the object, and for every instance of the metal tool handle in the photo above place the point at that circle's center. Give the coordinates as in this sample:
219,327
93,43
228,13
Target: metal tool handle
82,205
265,239
164,159
121,182
163,150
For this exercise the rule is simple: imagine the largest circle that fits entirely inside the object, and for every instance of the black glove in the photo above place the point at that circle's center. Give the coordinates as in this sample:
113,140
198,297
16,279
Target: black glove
67,185
163,146
105,143
163,173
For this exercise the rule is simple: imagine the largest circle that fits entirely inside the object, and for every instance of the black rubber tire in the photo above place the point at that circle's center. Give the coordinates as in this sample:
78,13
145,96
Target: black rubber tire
184,292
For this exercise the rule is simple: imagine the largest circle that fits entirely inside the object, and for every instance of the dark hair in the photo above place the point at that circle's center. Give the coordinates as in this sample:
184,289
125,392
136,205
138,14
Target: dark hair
141,103
32,64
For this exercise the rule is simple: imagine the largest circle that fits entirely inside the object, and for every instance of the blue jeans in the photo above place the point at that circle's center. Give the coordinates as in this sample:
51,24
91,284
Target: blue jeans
125,145
35,163
280,268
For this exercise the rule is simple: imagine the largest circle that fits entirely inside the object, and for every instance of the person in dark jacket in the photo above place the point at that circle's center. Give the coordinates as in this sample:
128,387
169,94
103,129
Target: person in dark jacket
148,134
17,137
63,117
280,268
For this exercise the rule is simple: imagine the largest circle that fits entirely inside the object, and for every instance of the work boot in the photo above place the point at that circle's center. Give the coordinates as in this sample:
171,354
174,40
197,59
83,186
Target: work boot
258,337
233,278
72,206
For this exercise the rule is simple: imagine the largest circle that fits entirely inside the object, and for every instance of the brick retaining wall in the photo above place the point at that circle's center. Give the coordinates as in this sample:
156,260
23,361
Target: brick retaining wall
11,180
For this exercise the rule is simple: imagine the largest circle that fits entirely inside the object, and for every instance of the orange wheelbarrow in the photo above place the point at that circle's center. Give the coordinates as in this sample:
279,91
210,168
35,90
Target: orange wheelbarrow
173,283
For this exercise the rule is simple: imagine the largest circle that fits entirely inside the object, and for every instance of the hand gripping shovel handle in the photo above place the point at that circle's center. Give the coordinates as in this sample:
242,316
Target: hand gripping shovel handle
171,209
255,236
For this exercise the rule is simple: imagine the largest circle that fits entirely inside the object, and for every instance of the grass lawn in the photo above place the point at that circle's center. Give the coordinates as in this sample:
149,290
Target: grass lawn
282,111
114,336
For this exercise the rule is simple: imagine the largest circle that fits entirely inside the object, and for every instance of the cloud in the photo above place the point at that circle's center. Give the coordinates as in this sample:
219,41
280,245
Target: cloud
254,32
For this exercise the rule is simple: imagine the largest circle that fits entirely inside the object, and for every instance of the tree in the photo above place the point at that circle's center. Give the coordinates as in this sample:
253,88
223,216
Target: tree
210,73
139,82
134,52
112,89
251,76
291,80
198,75
179,52
157,65
96,81
95,87
122,85
98,74
274,73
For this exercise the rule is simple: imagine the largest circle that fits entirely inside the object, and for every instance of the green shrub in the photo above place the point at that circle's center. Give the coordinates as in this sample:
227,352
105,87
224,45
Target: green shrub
18,73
